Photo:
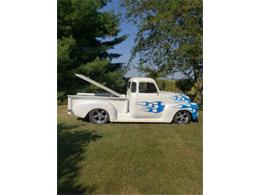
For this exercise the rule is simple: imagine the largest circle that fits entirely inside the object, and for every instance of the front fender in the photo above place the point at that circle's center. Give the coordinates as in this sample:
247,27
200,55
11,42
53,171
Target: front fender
192,108
82,109
172,109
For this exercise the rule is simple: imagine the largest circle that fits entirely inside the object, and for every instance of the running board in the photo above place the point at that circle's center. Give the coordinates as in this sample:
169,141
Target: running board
125,119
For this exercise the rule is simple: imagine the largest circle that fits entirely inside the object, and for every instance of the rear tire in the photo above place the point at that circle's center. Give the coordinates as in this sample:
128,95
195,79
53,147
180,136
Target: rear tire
182,117
99,116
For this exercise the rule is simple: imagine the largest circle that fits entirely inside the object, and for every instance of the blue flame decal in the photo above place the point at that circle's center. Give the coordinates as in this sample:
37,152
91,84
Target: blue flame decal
186,104
154,107
192,107
181,98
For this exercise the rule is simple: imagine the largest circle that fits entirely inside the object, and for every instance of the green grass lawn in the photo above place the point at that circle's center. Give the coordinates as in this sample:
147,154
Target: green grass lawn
120,158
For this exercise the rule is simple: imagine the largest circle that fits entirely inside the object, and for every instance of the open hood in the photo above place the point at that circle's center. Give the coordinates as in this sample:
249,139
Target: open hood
98,85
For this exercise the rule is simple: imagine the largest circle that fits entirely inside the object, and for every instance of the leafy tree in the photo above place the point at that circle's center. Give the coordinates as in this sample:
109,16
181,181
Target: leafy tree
85,35
169,37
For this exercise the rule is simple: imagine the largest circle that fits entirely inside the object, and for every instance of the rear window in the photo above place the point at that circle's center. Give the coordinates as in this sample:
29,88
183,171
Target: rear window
146,87
133,87
128,85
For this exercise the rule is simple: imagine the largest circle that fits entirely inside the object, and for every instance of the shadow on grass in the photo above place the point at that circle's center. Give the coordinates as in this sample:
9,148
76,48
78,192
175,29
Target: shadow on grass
71,150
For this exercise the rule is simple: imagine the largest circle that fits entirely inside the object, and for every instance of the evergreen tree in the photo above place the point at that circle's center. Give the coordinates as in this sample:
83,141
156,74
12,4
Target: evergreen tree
85,35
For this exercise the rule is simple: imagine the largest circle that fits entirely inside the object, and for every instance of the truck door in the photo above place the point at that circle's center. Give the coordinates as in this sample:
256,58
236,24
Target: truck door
148,102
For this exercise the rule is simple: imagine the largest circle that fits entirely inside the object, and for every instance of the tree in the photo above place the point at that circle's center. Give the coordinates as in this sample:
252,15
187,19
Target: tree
85,35
169,37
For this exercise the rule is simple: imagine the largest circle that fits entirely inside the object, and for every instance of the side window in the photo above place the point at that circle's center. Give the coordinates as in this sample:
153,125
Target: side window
133,87
128,85
145,87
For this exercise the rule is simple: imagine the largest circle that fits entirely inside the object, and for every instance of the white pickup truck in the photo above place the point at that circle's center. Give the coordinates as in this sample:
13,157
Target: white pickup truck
143,102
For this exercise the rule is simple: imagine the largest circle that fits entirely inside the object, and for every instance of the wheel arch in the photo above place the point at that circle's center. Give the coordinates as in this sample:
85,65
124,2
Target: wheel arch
84,109
182,110
89,114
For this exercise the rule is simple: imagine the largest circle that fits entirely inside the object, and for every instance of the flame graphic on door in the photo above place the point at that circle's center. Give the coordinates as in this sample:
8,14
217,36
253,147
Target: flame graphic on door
154,107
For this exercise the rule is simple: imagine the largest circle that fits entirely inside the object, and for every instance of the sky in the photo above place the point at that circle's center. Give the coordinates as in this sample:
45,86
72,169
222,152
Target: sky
125,47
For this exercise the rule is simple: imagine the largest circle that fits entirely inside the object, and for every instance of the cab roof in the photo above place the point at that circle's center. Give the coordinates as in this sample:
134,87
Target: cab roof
141,79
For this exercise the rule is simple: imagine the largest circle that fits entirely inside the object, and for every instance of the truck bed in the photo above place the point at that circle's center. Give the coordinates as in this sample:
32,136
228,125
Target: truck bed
75,102
101,96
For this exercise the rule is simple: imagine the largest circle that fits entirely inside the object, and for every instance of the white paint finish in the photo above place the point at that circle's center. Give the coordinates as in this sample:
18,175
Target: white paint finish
134,107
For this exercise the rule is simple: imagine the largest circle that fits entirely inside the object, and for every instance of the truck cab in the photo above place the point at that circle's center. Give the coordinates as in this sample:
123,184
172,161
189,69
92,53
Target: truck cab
144,98
143,102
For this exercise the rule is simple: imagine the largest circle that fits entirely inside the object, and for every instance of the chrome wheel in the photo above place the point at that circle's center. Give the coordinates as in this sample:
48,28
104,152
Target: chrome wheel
98,116
182,117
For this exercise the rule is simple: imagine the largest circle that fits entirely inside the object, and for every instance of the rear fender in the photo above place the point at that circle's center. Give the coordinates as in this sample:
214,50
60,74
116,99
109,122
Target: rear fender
81,110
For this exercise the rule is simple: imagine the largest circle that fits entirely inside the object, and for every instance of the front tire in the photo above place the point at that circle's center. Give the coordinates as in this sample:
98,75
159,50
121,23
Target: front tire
182,117
99,116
